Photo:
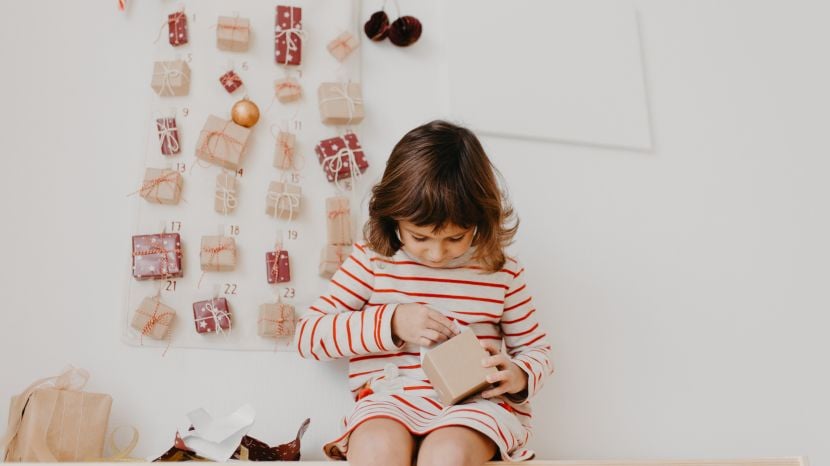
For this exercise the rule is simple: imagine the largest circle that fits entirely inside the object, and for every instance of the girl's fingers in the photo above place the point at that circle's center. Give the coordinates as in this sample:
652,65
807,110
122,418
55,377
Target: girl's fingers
433,336
490,348
431,324
442,320
499,360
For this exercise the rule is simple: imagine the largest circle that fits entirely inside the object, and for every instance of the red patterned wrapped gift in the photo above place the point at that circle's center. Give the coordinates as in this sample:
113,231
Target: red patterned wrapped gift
277,266
168,135
157,256
212,316
341,157
288,46
177,25
230,81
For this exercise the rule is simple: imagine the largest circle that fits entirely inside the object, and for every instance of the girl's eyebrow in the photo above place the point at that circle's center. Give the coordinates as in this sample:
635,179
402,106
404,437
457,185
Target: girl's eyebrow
413,233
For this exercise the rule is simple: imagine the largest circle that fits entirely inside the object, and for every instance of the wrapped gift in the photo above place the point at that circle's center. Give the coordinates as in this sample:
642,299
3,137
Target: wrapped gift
230,81
454,367
171,78
177,26
285,150
287,90
283,200
341,157
343,45
338,220
157,257
212,315
222,142
340,103
332,257
288,49
277,266
233,34
276,320
225,200
53,420
153,318
168,135
218,253
161,186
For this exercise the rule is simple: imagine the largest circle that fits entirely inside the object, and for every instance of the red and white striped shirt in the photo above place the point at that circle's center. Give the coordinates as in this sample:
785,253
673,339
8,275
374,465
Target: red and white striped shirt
353,319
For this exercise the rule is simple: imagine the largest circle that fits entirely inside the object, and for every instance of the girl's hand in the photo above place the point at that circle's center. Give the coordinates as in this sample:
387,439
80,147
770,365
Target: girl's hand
420,325
509,379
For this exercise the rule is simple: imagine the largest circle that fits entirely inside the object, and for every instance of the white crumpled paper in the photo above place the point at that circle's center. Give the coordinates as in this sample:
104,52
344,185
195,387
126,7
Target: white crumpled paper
217,438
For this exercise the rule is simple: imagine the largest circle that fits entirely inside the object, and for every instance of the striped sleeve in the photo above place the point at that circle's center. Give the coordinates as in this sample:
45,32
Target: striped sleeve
340,323
525,340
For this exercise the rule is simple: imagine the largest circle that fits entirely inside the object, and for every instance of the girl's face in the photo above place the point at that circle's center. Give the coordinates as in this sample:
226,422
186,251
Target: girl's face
435,249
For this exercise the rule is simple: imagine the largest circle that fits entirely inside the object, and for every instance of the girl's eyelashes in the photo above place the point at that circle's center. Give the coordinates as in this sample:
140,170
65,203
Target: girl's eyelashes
421,239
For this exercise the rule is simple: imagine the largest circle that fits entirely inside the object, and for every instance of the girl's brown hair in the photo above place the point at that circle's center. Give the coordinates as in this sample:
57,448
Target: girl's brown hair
437,175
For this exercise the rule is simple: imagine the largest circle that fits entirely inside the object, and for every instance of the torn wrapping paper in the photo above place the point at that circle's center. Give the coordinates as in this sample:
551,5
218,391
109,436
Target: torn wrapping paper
218,438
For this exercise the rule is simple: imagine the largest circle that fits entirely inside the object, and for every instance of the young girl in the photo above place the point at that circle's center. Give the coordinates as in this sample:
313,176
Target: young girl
433,260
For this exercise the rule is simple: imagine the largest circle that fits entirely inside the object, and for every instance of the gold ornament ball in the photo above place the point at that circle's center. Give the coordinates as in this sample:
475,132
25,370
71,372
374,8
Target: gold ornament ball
245,113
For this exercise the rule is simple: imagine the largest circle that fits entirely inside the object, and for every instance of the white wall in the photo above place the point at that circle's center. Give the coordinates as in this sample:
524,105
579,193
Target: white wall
684,289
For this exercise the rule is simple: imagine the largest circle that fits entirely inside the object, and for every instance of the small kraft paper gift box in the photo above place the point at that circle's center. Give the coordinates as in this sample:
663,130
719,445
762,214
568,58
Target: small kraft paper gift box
276,320
233,34
230,81
212,315
288,35
285,150
338,220
340,103
157,256
287,90
277,266
153,318
53,420
168,135
225,199
222,142
332,257
177,27
341,157
454,367
343,45
161,186
283,200
218,253
171,78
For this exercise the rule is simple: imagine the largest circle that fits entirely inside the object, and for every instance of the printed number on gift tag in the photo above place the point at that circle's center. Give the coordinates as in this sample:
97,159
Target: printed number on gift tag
288,293
171,285
295,177
181,168
175,225
234,230
240,172
230,288
293,234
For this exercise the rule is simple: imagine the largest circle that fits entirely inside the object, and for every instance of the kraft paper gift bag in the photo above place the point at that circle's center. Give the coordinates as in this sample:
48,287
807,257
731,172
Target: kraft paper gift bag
53,420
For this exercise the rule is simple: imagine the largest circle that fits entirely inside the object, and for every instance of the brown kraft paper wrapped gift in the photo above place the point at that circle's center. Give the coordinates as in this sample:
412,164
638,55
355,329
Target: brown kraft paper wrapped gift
53,420
454,367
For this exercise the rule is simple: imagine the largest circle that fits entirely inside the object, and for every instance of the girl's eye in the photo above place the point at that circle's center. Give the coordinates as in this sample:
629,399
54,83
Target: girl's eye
419,239
455,240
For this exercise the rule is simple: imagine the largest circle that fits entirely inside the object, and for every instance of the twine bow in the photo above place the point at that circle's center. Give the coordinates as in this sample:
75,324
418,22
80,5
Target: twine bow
168,75
165,259
342,93
153,185
295,29
216,137
335,163
217,315
228,197
168,134
292,200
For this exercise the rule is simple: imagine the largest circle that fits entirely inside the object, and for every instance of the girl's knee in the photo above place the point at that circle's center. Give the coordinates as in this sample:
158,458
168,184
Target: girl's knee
380,442
456,446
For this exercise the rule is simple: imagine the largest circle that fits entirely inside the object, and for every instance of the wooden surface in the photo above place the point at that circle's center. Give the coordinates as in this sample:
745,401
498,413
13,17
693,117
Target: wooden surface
789,461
